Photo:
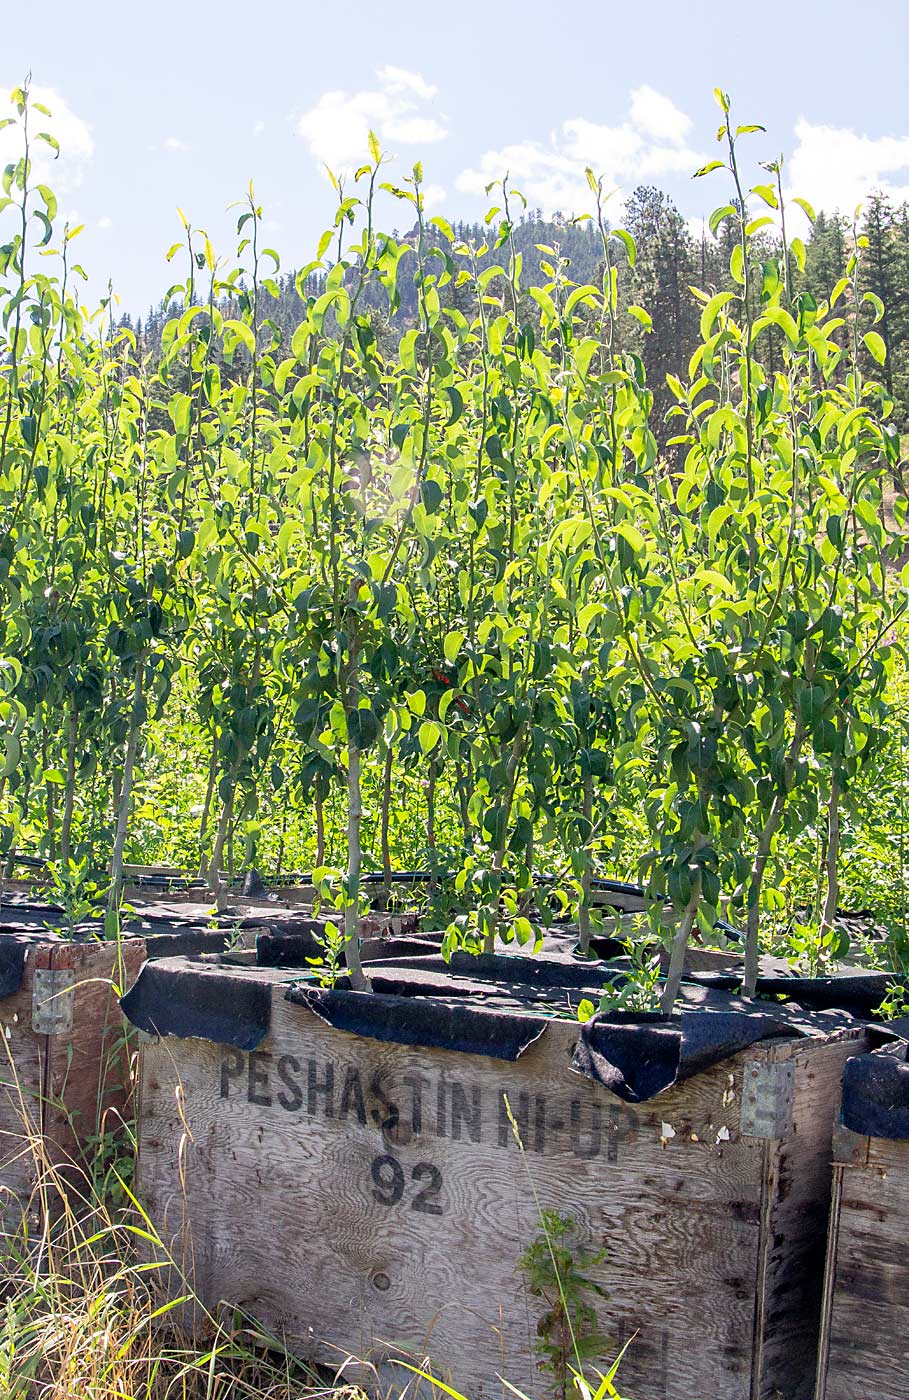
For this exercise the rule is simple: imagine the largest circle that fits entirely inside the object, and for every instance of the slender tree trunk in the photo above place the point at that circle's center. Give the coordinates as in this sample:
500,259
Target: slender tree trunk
463,801
386,813
206,806
221,835
354,820
761,857
49,807
4,867
679,945
126,787
320,830
279,858
527,903
354,859
832,862
431,822
678,949
584,910
69,797
498,861
116,787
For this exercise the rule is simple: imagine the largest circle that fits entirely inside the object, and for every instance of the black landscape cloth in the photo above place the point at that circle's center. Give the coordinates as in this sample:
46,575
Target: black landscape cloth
497,972
12,964
415,1020
638,1057
635,1056
876,1093
291,947
857,991
199,1001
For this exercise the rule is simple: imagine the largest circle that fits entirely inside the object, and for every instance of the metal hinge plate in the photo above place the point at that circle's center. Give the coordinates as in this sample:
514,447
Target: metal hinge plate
767,1098
52,1000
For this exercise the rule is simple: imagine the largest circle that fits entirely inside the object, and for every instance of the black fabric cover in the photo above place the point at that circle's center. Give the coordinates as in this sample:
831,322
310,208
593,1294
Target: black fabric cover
876,1093
199,1001
857,991
640,1056
474,1030
499,971
635,1056
290,947
182,942
12,964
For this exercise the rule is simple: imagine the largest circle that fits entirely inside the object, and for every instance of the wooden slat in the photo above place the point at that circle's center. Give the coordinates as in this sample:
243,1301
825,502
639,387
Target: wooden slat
799,1190
865,1333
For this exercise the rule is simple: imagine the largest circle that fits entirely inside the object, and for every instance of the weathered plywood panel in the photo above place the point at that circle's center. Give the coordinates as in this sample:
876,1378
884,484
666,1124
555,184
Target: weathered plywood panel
358,1196
57,1090
88,1080
22,1073
799,1188
866,1331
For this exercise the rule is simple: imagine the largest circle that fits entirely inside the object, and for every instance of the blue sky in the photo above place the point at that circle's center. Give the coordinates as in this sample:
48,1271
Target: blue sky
180,104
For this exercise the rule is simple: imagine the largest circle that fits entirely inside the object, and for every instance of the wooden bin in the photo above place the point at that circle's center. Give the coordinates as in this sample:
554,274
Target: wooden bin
65,1074
365,1197
864,1348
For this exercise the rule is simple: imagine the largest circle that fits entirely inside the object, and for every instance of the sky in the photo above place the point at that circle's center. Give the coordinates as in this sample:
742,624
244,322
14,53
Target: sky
179,105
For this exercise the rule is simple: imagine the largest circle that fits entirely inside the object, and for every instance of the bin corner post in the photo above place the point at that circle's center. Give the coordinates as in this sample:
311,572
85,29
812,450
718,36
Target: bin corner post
798,1187
823,1349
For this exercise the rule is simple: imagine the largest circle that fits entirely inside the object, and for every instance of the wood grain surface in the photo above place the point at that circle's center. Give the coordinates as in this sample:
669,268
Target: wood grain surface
359,1197
866,1324
58,1092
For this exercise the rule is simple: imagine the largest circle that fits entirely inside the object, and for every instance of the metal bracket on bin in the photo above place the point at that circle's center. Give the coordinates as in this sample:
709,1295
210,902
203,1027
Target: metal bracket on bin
767,1098
52,1000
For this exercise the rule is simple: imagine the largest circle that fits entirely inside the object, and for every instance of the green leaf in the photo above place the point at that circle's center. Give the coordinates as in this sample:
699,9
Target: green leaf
711,311
767,193
456,402
726,211
632,535
641,315
452,646
429,735
243,333
875,346
627,243
808,209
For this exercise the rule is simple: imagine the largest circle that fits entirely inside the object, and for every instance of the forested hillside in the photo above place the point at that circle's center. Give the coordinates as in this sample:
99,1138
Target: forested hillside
672,261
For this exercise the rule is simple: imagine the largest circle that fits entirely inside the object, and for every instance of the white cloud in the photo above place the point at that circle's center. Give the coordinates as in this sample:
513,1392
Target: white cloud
73,134
105,223
173,143
434,196
403,81
651,142
835,168
258,128
658,116
337,128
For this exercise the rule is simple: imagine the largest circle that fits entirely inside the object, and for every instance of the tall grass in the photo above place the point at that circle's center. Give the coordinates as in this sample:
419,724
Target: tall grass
91,1301
83,1315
